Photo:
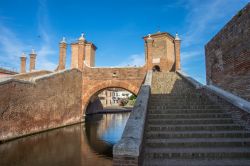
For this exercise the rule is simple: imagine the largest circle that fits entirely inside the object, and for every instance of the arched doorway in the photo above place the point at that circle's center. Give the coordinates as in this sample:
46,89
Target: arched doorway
156,68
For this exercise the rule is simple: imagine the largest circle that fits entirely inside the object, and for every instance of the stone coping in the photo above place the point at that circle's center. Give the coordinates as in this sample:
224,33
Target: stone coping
148,79
132,137
114,67
9,80
32,72
53,74
34,79
191,80
229,97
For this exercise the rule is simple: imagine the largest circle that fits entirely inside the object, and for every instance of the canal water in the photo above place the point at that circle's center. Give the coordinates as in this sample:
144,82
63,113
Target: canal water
86,144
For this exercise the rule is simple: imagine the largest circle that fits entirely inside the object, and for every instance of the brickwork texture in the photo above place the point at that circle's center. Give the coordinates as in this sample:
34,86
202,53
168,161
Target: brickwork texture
228,56
47,102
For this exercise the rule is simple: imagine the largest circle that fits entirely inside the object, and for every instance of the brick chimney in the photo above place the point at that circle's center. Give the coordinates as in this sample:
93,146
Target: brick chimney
177,46
90,49
74,55
81,51
149,45
23,63
62,54
32,60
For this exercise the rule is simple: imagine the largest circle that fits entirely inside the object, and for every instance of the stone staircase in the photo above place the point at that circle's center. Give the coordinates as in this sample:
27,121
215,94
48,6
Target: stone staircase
185,128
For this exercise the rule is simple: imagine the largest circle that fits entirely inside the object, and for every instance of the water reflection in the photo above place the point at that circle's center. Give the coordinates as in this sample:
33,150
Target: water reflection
83,144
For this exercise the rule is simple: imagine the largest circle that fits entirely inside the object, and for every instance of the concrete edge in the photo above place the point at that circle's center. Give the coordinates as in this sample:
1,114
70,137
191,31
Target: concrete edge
36,71
41,131
132,137
191,80
9,80
34,79
38,78
231,98
148,80
113,67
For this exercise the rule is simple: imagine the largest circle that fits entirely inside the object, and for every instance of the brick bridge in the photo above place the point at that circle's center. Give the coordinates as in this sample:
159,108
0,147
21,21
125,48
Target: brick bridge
61,97
185,122
162,52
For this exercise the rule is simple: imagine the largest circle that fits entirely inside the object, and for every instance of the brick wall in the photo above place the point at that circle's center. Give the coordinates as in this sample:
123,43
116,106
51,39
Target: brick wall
49,101
228,56
97,79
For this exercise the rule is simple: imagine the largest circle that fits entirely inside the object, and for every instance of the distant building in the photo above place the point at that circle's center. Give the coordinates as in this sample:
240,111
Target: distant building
6,72
122,94
112,96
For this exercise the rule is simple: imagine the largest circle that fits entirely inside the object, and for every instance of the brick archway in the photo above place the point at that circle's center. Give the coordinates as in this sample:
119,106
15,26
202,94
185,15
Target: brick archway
87,95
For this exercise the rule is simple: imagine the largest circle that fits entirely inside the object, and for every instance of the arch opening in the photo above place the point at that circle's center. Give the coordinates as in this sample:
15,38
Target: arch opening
91,93
156,68
110,100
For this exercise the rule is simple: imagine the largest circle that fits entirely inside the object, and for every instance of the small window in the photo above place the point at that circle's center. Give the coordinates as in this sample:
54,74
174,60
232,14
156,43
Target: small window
156,68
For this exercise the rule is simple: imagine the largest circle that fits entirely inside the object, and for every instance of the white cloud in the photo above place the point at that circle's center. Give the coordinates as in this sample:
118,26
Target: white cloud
204,18
12,47
134,60
189,55
46,50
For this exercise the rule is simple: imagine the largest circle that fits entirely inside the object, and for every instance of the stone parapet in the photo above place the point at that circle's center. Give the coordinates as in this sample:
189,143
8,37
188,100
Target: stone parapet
128,150
238,107
191,80
28,76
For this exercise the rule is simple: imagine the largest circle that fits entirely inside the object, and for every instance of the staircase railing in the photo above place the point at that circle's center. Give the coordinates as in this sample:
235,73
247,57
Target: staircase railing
239,107
128,150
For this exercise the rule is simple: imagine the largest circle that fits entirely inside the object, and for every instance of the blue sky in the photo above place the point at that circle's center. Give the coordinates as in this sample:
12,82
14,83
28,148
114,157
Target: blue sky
116,27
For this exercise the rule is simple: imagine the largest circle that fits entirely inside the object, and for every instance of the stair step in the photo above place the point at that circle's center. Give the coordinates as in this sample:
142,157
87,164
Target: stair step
207,127
198,142
176,106
197,162
167,111
197,134
182,103
188,116
198,153
163,103
177,96
179,99
191,121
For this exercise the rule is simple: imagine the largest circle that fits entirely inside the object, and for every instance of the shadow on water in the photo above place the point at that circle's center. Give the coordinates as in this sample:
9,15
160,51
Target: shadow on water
87,144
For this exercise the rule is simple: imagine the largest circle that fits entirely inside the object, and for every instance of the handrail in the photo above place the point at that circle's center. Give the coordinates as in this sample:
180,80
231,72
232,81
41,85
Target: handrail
228,96
231,98
132,137
191,80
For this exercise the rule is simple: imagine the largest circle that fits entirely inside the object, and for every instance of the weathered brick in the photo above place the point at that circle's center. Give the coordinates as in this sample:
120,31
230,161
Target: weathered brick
228,56
52,101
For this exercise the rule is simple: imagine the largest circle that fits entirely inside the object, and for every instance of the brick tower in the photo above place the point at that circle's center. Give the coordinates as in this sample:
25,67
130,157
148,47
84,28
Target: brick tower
162,52
82,51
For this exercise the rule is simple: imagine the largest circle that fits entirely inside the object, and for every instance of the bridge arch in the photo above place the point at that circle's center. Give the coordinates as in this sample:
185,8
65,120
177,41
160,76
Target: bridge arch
95,90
